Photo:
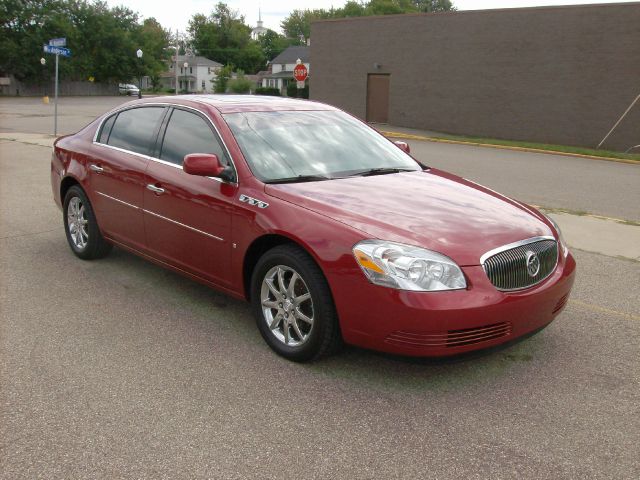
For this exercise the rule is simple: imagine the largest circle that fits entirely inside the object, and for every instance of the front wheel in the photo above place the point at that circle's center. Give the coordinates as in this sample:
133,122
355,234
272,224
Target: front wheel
293,305
81,227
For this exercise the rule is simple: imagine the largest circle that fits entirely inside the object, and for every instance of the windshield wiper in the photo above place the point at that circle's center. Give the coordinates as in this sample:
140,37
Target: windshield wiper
300,179
381,171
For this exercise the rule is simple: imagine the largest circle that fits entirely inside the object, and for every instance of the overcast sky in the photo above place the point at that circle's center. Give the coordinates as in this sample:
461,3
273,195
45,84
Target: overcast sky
176,14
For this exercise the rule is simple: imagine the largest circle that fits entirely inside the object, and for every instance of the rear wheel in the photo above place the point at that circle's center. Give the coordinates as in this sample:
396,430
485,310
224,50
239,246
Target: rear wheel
293,305
81,228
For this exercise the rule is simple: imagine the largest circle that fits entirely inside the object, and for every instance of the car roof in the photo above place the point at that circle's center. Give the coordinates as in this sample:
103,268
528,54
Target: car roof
250,103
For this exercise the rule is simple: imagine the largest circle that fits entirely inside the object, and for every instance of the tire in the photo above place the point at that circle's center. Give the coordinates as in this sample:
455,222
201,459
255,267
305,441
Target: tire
283,311
81,227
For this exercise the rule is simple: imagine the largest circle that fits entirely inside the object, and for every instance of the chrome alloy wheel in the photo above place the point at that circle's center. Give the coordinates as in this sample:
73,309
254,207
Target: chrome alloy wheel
287,306
77,223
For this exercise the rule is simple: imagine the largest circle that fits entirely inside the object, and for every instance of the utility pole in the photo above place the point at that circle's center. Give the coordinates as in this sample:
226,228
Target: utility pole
177,51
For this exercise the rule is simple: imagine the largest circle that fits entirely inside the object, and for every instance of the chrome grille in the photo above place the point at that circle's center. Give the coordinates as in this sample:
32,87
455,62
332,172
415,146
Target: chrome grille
506,266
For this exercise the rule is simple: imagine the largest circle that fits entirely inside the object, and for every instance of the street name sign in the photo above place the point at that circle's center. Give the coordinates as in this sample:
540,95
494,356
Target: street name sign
65,52
58,42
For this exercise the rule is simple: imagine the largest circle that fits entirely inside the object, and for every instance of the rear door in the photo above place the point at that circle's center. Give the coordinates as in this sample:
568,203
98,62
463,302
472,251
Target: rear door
117,172
188,218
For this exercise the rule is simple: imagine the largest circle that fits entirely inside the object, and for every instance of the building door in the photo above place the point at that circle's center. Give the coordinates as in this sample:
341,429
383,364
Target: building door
378,98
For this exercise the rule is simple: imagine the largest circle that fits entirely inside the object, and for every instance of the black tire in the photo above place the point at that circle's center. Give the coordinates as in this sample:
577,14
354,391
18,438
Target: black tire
95,245
324,334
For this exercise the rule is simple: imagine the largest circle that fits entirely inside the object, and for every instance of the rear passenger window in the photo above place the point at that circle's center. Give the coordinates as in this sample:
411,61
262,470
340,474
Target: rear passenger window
133,129
106,129
189,133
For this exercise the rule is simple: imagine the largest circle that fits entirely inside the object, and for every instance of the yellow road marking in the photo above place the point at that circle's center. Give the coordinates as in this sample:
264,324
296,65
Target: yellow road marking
409,136
598,308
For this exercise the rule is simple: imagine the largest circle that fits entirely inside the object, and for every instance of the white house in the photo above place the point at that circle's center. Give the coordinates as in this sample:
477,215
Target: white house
195,74
282,67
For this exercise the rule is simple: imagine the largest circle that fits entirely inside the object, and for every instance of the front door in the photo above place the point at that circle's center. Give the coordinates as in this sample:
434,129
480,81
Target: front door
187,218
378,98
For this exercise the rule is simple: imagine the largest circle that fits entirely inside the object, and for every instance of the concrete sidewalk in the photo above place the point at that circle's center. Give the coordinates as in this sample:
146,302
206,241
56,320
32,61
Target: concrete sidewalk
606,236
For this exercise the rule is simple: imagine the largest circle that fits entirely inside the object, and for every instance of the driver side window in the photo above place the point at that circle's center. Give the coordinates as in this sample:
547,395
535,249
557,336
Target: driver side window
188,133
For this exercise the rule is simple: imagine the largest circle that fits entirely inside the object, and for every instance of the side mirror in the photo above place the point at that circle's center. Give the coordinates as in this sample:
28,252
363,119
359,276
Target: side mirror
206,165
404,146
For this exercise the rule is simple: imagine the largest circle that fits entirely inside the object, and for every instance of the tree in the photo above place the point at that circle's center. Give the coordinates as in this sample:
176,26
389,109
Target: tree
273,44
297,25
221,82
103,40
224,37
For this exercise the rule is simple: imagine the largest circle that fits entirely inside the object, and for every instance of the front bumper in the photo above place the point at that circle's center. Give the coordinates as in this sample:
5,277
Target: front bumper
446,323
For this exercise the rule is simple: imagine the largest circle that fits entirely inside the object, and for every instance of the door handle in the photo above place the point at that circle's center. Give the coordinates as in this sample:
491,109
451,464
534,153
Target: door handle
155,189
96,168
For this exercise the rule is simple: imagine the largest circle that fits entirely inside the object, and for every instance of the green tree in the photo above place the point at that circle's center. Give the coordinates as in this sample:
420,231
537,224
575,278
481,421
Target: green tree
273,44
297,25
103,40
224,37
221,82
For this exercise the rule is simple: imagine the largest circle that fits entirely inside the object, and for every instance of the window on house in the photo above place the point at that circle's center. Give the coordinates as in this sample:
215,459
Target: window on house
190,69
203,86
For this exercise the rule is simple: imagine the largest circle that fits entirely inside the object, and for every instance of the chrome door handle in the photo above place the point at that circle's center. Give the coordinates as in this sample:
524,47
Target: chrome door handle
96,168
155,189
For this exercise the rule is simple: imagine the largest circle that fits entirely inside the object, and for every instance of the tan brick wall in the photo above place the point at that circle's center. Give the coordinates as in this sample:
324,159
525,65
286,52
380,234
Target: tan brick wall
553,74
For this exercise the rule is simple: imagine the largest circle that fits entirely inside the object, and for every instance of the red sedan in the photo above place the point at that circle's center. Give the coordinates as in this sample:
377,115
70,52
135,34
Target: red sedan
331,231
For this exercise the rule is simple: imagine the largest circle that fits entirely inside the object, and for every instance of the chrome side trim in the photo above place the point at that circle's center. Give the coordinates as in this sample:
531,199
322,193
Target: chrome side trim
520,243
185,226
167,104
118,200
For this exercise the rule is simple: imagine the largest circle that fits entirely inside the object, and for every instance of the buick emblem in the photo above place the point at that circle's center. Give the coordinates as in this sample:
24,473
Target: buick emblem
533,263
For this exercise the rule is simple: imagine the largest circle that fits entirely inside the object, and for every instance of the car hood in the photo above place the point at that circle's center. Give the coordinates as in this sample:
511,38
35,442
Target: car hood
431,209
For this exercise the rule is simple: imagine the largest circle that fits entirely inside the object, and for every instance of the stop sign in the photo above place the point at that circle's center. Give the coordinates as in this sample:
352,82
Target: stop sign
300,72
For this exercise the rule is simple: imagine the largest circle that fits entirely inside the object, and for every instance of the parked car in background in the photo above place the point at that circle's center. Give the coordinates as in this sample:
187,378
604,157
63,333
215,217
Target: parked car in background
331,231
128,89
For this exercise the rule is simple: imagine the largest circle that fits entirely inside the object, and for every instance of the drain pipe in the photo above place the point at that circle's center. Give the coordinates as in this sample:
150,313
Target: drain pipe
618,122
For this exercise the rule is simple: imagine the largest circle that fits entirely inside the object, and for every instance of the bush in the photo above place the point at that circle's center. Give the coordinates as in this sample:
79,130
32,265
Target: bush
241,84
274,92
294,92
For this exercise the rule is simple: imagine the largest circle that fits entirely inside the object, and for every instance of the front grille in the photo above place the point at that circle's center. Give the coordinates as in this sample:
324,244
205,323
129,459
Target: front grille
511,267
451,338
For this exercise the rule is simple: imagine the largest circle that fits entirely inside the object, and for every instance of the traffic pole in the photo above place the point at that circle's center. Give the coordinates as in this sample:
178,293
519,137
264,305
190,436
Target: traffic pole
55,113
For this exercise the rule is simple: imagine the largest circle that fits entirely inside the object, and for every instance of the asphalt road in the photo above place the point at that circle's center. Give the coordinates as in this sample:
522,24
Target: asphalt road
118,368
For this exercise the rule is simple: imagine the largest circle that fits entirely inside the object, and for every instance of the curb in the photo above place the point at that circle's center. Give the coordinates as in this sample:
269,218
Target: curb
409,136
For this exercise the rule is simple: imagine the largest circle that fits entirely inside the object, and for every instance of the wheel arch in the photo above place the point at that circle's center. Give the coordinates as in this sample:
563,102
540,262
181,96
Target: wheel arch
66,183
259,247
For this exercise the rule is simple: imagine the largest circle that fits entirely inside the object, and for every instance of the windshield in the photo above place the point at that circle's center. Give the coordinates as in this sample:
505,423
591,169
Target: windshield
312,144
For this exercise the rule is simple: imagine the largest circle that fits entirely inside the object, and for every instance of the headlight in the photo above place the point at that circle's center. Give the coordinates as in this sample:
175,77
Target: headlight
407,268
563,244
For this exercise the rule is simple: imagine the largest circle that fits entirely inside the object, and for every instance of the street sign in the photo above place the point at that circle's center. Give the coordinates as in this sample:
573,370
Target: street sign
65,52
300,84
58,42
300,72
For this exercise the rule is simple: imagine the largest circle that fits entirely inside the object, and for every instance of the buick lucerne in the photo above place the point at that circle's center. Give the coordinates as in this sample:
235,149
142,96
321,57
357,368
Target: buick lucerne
331,231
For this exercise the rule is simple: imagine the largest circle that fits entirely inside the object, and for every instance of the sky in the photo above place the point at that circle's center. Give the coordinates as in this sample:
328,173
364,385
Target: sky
176,14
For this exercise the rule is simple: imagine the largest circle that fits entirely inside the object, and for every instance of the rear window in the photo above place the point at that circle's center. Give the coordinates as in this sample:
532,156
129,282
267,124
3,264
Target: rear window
106,129
133,129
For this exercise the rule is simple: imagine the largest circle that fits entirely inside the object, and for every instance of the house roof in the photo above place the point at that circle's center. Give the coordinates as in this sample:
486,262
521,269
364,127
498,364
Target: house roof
191,60
291,54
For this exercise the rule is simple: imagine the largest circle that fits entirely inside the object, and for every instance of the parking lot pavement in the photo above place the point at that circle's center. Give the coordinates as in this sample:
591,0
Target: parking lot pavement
118,368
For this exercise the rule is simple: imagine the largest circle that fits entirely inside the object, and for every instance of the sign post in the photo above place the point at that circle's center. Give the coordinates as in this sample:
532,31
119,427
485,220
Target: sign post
300,73
57,47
